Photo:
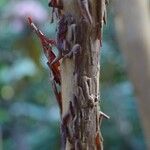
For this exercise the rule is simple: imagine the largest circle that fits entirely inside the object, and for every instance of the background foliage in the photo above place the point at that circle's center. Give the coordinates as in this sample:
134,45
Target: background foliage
29,116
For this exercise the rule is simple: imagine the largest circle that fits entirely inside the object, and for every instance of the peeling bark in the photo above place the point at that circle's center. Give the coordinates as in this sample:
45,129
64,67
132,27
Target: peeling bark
76,69
80,71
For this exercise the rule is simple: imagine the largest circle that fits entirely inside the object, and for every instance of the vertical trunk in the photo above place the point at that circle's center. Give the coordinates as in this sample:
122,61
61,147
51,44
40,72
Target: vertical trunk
80,81
80,92
132,24
79,36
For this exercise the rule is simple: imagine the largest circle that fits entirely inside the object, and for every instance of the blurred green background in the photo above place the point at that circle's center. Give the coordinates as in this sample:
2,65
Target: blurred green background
29,116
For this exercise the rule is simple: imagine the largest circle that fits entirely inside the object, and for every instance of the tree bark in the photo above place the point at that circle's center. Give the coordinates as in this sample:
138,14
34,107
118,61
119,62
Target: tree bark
80,78
132,25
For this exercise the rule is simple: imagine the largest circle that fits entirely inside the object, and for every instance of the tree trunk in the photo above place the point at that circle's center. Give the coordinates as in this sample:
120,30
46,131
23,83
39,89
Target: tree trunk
133,29
80,77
